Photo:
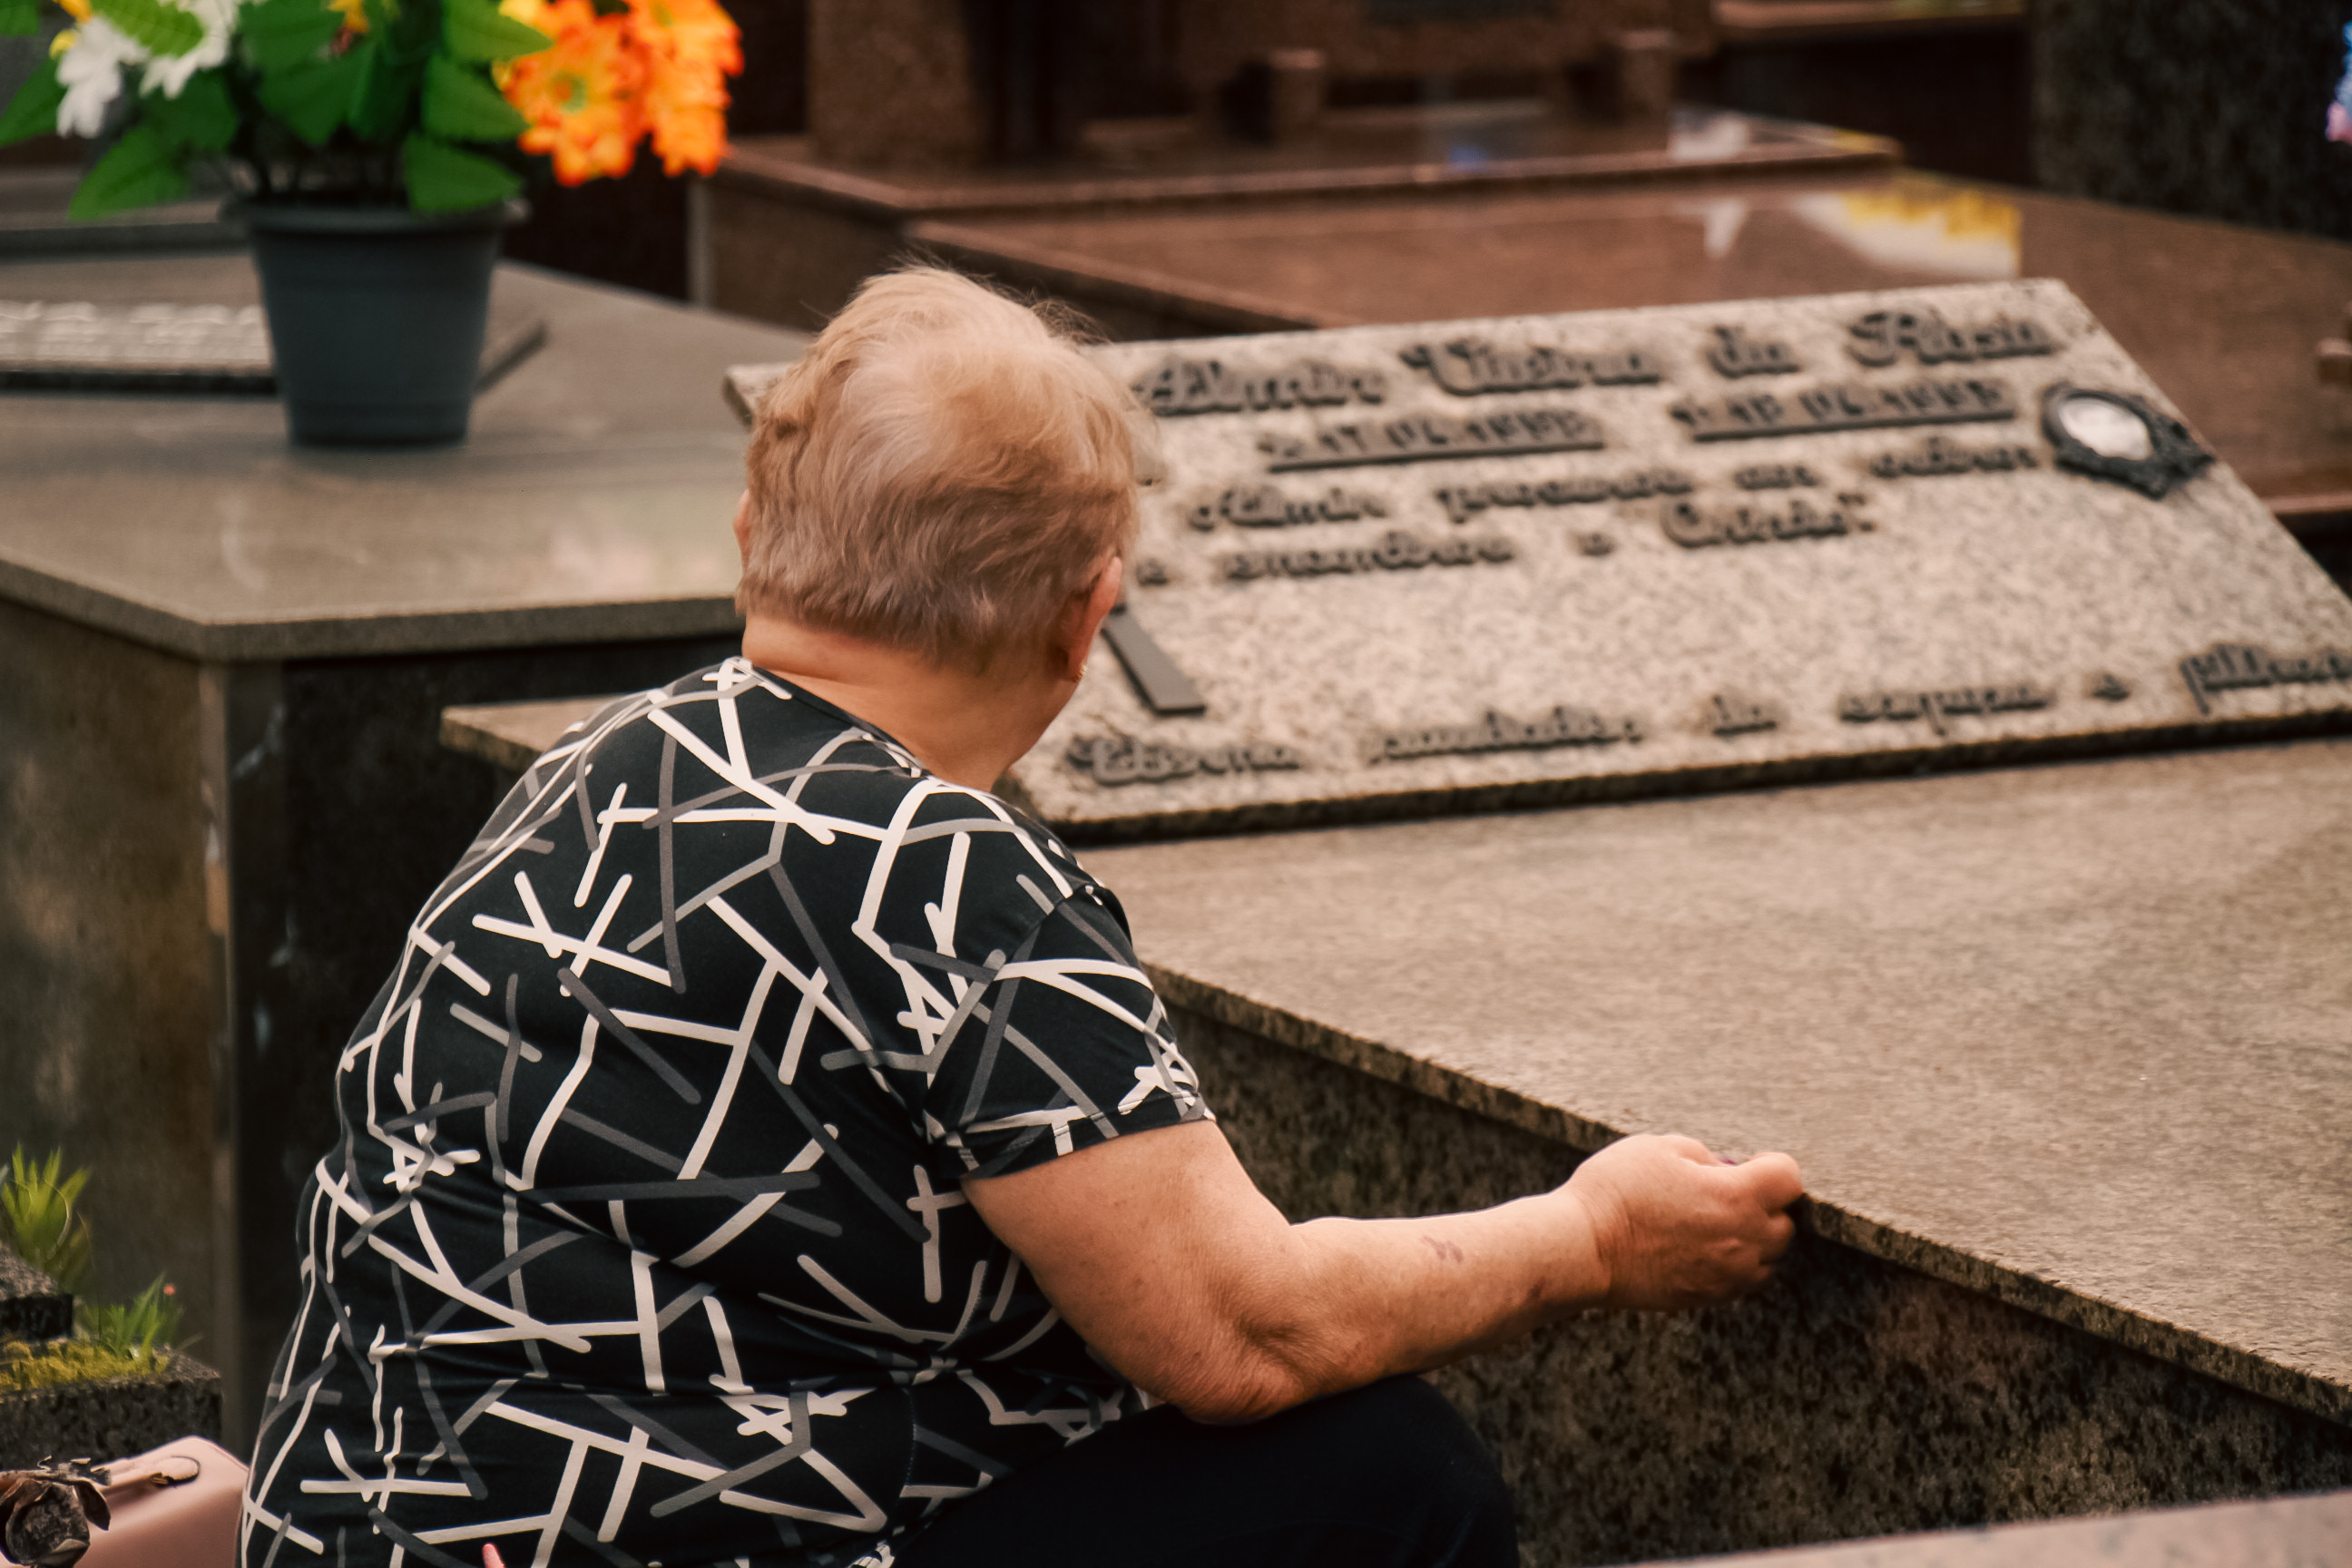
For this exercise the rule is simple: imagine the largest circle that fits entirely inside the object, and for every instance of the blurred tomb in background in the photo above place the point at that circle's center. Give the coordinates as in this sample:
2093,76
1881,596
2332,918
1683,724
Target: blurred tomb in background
919,111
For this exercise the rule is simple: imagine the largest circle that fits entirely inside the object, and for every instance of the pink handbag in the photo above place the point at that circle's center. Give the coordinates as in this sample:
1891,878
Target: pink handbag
176,1506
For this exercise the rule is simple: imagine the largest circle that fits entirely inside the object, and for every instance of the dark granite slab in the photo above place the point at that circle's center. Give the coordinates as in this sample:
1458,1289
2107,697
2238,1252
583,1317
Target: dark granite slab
590,504
31,1305
2283,1532
2070,1037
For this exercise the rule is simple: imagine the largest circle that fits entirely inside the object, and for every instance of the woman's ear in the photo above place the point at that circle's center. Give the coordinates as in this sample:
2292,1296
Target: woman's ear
1103,597
743,529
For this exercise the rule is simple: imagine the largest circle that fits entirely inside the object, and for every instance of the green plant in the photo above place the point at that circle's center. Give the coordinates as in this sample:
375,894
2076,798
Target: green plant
147,1323
430,102
38,1219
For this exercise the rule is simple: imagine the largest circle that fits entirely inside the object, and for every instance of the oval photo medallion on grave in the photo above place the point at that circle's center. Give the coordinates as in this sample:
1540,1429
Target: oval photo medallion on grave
2114,435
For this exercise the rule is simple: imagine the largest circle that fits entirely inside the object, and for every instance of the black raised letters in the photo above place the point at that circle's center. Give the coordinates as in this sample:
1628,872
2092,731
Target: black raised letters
1422,437
1846,406
1123,760
1468,367
1265,506
1882,337
1692,528
1563,726
2241,667
1938,456
1397,552
1735,353
1462,503
1182,386
1936,707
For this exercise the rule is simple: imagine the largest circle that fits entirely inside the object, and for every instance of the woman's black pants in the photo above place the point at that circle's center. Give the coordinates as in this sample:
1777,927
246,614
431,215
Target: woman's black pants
1383,1477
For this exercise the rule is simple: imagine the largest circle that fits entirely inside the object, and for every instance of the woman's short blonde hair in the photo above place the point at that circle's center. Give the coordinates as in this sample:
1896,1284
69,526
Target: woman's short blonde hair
941,473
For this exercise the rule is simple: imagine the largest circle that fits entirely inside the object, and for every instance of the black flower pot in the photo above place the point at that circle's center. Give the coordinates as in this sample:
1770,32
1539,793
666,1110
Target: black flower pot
376,316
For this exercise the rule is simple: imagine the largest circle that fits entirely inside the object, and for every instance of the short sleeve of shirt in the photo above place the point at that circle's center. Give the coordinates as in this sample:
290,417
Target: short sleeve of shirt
1053,1038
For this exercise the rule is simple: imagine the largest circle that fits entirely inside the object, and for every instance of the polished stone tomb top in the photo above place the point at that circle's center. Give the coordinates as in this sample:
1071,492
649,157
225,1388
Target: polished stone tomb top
2072,1037
2275,1532
1398,570
590,505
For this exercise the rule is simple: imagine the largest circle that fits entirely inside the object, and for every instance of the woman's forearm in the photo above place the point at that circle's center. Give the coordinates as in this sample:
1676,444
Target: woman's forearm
1161,1251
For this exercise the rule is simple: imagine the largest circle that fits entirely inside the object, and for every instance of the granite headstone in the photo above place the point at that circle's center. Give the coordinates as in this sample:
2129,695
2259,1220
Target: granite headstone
1409,569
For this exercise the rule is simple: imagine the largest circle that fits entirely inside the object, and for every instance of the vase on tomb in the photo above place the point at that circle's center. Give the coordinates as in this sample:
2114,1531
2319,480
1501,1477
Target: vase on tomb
376,316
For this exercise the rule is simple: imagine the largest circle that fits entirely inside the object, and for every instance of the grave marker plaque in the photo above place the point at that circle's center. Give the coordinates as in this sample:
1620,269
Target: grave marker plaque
1403,570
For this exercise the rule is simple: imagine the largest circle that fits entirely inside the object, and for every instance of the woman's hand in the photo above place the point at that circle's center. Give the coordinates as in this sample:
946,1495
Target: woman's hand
1674,1225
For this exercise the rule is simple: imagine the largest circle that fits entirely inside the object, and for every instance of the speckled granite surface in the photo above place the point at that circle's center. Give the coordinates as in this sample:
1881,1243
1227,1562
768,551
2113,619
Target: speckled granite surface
1853,1397
2283,1532
111,1418
2033,577
2071,1038
31,1305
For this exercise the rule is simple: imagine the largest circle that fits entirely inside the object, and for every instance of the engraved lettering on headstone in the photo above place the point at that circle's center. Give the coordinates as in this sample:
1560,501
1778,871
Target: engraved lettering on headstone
1692,529
1595,543
1735,353
1397,552
1265,506
1882,337
2243,667
1424,437
2109,687
1123,760
1182,386
1850,405
1939,455
1563,726
1936,707
1468,367
1464,502
1151,573
1732,714
1775,477
2117,436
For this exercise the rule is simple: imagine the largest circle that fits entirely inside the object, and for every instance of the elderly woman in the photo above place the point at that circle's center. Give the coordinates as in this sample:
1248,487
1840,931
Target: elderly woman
767,1148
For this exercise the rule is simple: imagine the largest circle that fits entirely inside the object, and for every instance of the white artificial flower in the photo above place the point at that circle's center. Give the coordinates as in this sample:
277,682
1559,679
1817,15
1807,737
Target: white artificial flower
171,73
92,74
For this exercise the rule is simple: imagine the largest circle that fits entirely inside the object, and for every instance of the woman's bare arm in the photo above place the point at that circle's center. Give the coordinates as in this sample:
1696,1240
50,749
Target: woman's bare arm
1161,1251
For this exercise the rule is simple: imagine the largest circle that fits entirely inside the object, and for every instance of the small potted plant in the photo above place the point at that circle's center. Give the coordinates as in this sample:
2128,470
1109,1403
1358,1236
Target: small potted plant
90,1377
377,148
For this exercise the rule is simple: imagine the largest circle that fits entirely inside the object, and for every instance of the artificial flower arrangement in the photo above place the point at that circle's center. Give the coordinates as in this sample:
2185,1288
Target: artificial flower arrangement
426,103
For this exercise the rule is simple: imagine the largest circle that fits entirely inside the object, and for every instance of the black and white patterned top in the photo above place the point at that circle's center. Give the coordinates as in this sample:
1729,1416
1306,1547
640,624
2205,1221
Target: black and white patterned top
644,1241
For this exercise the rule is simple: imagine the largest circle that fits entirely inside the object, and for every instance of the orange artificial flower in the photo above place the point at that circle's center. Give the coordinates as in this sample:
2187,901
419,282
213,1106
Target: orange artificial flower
694,33
584,97
693,47
687,110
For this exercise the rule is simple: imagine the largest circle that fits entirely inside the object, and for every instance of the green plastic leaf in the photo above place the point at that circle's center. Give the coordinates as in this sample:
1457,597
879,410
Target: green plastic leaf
441,178
315,98
161,29
283,34
460,102
384,101
478,30
34,110
18,18
203,118
141,169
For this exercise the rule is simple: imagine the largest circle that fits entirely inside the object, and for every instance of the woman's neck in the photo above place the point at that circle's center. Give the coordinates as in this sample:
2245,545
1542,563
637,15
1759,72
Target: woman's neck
965,726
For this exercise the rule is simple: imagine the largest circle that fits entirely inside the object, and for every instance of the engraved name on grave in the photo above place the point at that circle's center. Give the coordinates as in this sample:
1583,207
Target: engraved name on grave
1404,570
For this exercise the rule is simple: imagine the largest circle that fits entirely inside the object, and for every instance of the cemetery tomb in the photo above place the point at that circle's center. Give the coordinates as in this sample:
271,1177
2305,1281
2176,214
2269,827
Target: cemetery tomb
1404,570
